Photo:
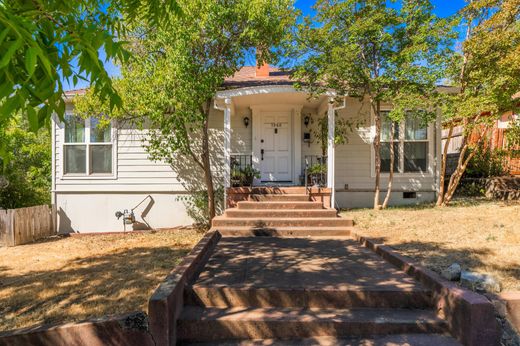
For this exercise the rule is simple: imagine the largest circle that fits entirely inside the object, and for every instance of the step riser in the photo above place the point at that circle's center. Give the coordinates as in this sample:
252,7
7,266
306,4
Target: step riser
281,213
343,232
273,223
295,190
279,205
194,330
287,198
227,297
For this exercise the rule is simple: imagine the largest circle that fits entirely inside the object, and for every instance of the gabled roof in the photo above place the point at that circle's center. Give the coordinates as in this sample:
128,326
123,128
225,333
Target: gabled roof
247,77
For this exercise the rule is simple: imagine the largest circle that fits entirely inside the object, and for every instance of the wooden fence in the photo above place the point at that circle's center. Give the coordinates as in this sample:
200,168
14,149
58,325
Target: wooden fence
25,225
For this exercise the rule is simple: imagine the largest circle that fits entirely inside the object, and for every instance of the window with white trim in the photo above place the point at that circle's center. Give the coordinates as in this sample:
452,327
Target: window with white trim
410,143
87,147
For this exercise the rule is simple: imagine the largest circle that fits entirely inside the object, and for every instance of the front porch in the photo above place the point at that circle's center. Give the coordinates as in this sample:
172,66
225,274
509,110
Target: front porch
276,193
271,141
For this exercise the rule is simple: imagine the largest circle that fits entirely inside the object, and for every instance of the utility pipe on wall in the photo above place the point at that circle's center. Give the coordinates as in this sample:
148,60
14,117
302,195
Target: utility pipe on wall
331,159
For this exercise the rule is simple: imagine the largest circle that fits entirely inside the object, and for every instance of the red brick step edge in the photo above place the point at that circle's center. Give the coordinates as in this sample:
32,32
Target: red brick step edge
470,316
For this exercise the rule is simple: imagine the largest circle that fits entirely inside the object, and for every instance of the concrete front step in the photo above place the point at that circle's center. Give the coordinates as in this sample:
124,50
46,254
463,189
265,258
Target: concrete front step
294,232
274,222
280,197
214,324
247,205
278,213
308,297
386,340
279,190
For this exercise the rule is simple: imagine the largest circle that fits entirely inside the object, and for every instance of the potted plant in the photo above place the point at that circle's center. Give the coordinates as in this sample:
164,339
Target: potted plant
236,177
248,175
316,174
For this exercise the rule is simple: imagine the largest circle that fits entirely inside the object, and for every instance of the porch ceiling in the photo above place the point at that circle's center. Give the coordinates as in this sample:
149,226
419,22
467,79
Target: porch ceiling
293,98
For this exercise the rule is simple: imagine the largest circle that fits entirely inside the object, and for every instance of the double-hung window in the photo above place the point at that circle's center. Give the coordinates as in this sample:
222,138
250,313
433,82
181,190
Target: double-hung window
410,143
87,147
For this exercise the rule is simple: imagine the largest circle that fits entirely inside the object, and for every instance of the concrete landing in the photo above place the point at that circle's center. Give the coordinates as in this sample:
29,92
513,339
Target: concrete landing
264,262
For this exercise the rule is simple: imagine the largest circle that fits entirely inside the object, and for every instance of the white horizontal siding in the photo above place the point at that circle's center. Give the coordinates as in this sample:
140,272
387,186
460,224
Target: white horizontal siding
135,170
354,159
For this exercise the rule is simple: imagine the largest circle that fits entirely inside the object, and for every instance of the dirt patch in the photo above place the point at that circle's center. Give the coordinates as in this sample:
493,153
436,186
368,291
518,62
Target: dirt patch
480,235
74,278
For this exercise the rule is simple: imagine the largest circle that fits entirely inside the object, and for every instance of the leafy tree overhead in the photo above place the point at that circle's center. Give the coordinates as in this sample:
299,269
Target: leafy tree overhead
380,51
43,41
169,85
486,71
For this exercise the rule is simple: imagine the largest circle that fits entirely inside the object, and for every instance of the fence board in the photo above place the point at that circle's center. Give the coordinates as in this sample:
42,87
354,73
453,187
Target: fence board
25,225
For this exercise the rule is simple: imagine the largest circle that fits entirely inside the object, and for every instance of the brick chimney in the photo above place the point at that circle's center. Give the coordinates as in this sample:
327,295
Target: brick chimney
262,70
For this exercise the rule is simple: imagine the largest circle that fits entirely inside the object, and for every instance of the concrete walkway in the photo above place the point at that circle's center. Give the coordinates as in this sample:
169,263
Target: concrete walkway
300,262
306,291
287,272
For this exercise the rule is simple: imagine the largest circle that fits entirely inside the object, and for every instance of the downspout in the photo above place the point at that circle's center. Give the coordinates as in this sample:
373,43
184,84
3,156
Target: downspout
437,164
54,207
331,155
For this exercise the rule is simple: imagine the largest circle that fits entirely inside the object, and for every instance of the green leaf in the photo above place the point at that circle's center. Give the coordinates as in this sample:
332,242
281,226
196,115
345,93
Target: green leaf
30,60
3,35
46,64
10,52
33,119
61,107
8,107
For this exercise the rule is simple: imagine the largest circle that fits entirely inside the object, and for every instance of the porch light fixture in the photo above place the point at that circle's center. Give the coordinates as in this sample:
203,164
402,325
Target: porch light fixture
306,120
246,121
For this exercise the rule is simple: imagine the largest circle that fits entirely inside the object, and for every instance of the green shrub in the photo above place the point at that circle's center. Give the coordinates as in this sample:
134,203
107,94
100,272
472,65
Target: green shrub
197,207
25,165
487,164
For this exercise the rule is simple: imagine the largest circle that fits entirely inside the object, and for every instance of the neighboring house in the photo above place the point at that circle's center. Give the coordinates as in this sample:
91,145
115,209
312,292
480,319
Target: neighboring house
497,141
259,118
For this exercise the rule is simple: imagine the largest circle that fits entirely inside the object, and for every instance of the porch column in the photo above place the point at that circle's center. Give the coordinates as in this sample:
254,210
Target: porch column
330,150
227,147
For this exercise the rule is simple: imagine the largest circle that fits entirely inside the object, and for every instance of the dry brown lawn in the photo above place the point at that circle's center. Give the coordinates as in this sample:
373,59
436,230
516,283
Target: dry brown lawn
480,235
71,279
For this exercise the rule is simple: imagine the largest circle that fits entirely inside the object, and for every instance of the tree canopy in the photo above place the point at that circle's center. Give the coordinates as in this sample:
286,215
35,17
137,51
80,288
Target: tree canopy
45,41
486,71
169,85
25,164
392,52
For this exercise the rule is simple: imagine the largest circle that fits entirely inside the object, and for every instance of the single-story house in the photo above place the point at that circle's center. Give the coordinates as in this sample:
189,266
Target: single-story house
260,119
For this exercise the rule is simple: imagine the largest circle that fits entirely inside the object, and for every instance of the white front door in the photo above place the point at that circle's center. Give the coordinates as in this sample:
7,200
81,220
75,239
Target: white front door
275,147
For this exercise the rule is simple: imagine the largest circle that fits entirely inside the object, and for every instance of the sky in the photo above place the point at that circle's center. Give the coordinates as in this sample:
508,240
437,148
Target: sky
443,8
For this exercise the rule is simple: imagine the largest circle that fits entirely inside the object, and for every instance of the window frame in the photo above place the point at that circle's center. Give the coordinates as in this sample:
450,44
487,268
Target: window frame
430,133
87,143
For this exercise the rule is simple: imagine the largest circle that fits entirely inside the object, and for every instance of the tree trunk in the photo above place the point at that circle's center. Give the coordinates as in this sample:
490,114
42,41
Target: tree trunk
462,164
377,151
206,163
391,176
444,161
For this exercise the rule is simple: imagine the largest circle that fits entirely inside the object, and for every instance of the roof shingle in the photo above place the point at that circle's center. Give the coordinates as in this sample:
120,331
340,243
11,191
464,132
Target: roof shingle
246,77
